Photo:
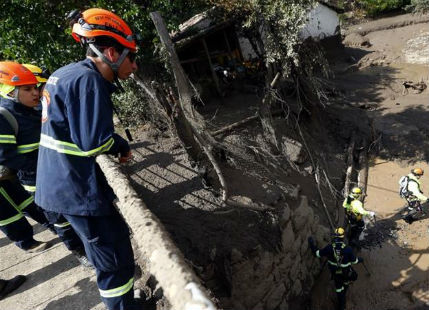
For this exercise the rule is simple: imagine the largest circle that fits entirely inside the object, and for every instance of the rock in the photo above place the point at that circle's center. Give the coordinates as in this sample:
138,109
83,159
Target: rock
302,215
293,150
304,249
275,297
266,262
297,288
315,224
293,274
356,40
285,216
297,246
236,256
322,235
288,237
284,305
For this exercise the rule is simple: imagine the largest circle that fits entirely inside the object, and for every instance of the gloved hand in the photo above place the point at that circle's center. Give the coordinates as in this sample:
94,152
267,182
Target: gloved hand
371,213
312,245
360,260
126,158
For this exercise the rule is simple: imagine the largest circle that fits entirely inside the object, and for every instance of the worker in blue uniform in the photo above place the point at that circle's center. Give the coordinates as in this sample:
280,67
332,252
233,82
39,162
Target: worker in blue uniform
18,155
77,125
63,228
340,259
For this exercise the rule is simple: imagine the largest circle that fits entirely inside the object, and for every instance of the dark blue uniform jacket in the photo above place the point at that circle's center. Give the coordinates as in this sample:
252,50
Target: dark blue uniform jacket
20,152
344,260
77,125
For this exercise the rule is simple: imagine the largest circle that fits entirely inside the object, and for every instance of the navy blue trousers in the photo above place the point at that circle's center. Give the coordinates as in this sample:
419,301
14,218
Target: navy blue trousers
15,204
65,231
108,248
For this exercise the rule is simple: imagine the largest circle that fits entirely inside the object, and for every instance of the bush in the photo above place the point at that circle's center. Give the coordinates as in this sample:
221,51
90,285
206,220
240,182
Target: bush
377,7
419,6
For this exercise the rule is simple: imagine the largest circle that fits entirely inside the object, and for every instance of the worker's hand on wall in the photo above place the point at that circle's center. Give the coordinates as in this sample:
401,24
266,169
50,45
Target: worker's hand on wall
371,213
125,158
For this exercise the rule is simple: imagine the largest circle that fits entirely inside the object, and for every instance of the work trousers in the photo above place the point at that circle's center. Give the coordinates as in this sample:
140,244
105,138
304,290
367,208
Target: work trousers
65,231
60,226
356,228
342,279
108,248
15,204
414,208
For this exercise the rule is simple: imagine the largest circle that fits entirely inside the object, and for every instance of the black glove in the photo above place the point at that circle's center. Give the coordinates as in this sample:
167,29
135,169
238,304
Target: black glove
360,260
123,145
312,245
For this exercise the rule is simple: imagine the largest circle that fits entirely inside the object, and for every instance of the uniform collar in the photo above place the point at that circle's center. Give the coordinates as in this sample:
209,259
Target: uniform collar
91,65
16,106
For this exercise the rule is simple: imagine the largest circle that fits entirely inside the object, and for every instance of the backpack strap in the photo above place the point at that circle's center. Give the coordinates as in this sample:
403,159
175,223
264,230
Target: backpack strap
10,118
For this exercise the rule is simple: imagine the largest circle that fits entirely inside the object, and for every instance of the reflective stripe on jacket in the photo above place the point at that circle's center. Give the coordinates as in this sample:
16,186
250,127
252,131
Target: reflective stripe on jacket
77,125
414,187
20,153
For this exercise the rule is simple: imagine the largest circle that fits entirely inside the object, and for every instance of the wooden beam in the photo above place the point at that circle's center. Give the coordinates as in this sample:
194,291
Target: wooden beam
215,79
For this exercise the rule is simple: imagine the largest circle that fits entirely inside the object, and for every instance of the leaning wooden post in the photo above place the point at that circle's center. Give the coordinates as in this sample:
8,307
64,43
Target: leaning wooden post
185,99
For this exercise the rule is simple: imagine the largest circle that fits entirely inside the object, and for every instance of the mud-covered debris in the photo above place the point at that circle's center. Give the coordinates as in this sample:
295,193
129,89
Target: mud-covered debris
379,233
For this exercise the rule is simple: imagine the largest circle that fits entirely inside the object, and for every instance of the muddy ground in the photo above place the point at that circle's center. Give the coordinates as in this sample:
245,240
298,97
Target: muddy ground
399,277
368,80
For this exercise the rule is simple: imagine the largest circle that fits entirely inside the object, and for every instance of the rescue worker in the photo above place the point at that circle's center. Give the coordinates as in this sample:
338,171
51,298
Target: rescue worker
340,260
18,155
77,125
41,75
415,196
8,286
355,213
63,228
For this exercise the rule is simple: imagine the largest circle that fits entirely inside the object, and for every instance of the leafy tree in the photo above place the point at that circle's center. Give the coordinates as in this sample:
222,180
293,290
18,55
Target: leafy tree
37,31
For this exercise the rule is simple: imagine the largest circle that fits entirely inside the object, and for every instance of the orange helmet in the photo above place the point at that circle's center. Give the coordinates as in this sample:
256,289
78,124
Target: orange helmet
99,22
417,171
15,74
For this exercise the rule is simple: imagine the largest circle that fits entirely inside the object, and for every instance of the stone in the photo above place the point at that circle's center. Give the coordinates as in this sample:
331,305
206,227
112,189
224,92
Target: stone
304,250
293,150
275,297
285,216
296,288
236,256
315,224
293,274
284,305
296,246
302,214
356,40
288,237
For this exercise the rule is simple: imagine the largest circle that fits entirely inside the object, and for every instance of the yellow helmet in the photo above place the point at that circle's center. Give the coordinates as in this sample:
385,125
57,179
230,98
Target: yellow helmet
42,75
417,171
339,232
356,192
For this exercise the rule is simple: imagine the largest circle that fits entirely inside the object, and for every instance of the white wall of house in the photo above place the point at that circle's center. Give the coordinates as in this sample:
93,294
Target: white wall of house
323,22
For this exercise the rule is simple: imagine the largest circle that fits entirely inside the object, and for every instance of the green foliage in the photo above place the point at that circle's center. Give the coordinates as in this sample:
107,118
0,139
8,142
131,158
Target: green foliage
37,32
419,6
376,7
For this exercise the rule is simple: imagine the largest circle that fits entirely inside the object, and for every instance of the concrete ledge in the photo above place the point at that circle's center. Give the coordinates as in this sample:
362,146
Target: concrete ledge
180,285
388,23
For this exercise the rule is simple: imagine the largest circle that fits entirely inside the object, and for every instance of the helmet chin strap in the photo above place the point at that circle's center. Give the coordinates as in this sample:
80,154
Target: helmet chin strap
113,65
13,95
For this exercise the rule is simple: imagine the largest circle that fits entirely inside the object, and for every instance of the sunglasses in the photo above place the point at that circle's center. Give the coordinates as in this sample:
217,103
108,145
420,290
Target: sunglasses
132,56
